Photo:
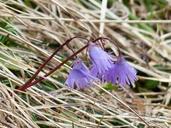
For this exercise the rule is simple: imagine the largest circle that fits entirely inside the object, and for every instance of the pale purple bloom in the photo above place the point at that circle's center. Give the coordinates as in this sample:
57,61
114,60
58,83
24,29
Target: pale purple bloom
101,61
80,76
121,73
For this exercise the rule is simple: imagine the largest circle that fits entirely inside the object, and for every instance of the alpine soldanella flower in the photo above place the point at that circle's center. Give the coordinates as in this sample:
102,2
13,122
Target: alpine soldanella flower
101,60
121,73
80,76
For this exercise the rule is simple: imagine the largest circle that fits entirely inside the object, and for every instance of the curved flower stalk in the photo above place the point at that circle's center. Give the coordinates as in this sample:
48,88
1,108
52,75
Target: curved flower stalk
80,76
101,60
25,86
31,81
121,73
103,67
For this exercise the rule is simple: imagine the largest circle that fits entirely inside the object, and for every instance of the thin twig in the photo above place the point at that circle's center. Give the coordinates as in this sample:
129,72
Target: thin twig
24,87
46,61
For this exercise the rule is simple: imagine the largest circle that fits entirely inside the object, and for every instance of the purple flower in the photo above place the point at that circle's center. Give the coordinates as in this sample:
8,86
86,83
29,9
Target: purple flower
121,73
80,76
101,61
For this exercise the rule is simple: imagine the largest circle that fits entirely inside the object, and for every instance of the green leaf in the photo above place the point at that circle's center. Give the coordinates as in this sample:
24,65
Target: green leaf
110,87
151,84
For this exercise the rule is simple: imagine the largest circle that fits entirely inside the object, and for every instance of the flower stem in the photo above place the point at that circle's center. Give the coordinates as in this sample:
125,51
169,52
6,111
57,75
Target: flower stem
25,86
105,38
46,61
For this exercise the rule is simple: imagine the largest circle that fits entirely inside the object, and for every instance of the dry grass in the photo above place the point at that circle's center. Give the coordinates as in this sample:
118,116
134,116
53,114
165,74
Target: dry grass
34,28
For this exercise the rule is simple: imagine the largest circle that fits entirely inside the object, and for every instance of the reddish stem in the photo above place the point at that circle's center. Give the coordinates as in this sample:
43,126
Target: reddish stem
105,38
29,84
24,87
46,61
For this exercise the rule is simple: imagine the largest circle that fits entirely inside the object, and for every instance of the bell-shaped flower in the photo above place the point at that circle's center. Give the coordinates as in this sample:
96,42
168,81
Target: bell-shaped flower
101,60
121,73
80,76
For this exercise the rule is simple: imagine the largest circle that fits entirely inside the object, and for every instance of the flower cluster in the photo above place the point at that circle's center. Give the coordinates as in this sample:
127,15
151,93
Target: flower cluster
103,67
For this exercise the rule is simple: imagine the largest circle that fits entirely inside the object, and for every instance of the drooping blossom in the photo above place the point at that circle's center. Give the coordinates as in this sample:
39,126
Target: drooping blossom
101,60
80,76
121,73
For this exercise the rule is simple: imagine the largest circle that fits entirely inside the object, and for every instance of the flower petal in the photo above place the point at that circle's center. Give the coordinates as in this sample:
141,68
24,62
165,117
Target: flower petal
121,73
101,61
80,76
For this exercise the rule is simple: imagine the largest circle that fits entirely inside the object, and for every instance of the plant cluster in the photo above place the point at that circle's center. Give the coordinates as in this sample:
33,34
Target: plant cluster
104,67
